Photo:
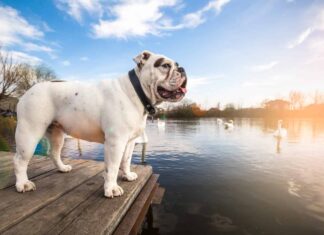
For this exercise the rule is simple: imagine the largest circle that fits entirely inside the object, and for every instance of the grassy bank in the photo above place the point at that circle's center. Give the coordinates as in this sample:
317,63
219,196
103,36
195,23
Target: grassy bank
7,133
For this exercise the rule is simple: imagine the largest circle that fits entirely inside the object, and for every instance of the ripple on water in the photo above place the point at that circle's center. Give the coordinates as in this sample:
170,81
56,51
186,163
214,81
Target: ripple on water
236,182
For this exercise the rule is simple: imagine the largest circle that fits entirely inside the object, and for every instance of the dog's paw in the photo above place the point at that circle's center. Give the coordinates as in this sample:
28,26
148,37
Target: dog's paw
113,191
25,187
131,176
65,168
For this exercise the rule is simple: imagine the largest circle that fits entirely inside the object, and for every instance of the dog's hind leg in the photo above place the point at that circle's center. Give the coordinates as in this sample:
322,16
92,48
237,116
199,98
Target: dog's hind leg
27,138
55,135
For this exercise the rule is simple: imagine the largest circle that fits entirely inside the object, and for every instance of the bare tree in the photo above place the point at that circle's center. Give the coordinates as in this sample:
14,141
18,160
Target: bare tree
17,78
29,76
9,75
318,97
297,99
44,73
26,79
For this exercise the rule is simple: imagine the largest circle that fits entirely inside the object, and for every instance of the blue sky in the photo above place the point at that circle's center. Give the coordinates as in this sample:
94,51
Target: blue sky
233,50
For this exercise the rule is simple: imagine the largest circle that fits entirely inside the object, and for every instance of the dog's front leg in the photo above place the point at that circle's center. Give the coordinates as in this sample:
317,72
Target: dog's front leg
114,149
126,162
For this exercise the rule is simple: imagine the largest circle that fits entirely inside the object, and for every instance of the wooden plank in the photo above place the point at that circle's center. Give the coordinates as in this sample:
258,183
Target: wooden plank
36,168
8,157
7,177
158,196
6,165
140,219
5,160
5,156
43,220
15,206
9,195
103,215
129,224
64,222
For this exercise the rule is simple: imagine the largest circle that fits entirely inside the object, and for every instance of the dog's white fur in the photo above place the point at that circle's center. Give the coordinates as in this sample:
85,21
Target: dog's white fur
109,113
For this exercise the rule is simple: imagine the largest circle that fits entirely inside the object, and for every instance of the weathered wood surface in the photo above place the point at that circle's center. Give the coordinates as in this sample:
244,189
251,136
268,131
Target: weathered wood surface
65,203
135,215
38,165
158,196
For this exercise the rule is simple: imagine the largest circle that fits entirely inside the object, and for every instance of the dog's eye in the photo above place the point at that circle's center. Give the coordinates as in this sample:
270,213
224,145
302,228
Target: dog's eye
166,66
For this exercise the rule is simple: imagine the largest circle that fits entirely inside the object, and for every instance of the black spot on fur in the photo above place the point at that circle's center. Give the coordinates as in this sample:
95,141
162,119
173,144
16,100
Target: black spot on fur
158,62
146,55
140,65
76,93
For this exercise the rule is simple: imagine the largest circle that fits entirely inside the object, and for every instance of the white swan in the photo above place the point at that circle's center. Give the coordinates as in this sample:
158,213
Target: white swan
280,132
160,123
229,124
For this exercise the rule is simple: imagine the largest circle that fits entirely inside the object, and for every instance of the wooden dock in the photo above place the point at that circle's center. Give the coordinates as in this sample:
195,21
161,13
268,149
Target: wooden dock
74,202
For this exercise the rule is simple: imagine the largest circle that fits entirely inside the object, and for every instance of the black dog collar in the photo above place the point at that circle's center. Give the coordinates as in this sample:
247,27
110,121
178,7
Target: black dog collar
139,91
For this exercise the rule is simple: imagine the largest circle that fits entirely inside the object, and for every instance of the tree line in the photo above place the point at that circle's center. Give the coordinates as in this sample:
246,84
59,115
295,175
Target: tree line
297,108
16,78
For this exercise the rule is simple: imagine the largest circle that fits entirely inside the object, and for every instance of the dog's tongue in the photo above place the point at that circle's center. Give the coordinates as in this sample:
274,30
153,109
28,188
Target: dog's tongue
183,90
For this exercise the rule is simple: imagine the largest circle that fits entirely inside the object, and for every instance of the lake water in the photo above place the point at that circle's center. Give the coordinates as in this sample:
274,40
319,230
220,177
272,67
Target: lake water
238,181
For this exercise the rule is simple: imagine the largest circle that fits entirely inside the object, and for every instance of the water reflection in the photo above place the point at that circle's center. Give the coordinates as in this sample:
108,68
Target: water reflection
221,182
278,146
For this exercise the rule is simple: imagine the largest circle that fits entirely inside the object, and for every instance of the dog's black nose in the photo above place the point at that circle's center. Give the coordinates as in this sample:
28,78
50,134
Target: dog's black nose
181,70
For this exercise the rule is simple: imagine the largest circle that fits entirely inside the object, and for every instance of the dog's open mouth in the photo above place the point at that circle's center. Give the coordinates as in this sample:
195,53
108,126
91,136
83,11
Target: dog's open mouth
172,95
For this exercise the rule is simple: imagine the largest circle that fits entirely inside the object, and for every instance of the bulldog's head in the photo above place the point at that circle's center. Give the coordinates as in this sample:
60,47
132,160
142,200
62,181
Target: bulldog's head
161,78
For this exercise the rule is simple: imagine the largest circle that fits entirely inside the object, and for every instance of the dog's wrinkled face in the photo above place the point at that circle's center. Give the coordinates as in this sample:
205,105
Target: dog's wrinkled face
165,79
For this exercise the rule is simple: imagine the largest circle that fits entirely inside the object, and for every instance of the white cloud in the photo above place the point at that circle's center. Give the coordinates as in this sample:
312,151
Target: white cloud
217,5
143,17
301,38
66,63
34,47
317,26
14,28
84,58
47,28
264,67
194,19
133,18
76,8
20,57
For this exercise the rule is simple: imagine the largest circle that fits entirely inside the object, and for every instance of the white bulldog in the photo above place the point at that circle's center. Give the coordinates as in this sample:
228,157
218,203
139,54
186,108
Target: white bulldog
110,113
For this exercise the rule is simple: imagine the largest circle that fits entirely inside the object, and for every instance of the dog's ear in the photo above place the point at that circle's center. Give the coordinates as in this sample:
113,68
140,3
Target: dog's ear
142,58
